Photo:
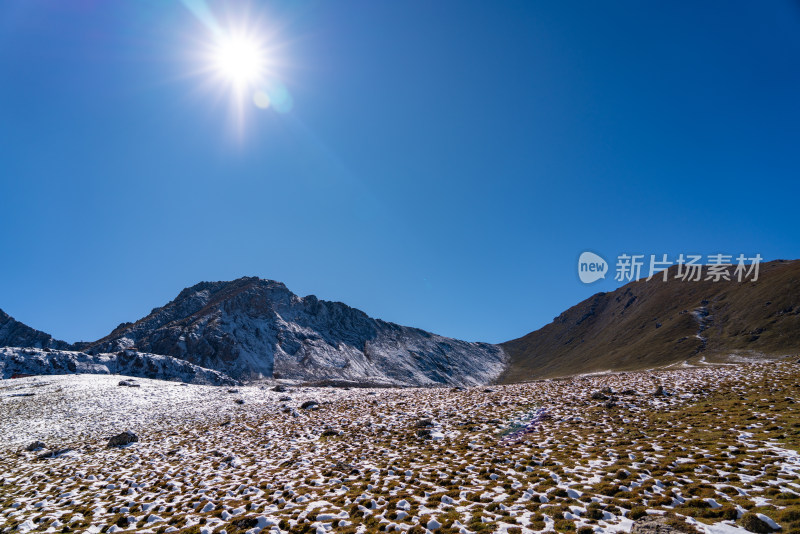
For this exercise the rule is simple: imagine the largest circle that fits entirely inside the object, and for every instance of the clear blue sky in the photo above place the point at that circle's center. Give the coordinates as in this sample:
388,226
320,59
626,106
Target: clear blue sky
442,166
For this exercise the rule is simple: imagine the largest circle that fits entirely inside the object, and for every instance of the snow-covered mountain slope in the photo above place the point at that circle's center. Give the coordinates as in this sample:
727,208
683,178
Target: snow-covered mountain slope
32,361
16,334
252,328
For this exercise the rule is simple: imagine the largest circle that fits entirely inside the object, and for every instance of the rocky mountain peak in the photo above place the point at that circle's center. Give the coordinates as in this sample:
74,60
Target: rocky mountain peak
255,328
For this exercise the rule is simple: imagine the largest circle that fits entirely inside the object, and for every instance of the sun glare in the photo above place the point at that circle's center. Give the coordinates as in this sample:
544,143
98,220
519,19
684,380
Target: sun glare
240,60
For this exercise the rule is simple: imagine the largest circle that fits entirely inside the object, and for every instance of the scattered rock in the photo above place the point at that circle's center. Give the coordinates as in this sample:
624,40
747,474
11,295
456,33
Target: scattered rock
653,524
346,468
129,384
291,411
280,389
330,432
53,453
609,404
285,398
488,390
233,390
35,446
424,423
122,439
598,395
659,391
310,405
424,433
245,523
239,401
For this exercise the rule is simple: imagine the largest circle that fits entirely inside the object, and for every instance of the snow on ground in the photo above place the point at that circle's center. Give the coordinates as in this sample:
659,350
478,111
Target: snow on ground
717,449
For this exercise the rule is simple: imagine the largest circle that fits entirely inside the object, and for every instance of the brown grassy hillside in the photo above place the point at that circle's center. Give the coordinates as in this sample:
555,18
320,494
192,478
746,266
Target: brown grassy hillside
656,323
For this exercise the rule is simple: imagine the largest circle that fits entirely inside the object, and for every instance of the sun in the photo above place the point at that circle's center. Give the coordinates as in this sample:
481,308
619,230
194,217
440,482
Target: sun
239,59
241,63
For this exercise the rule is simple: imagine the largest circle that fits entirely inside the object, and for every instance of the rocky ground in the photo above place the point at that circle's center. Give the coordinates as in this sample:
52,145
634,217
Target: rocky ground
697,449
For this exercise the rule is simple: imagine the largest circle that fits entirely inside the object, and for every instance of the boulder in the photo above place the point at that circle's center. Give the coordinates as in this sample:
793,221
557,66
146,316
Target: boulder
35,446
310,405
425,433
53,453
122,439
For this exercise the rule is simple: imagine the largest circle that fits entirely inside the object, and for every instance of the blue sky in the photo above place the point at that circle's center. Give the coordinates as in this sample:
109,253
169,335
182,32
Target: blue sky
443,164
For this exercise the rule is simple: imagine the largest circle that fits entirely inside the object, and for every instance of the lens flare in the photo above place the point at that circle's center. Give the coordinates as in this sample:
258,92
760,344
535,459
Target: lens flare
261,99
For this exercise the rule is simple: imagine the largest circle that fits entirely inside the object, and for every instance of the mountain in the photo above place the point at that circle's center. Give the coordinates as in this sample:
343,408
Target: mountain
16,334
652,324
15,361
252,328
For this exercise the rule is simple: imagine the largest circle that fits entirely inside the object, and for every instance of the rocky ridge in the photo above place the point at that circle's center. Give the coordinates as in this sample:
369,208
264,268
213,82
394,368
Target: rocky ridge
252,328
15,361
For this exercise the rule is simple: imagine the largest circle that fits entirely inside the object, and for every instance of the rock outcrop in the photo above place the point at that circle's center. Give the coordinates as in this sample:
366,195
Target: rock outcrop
16,334
28,361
